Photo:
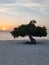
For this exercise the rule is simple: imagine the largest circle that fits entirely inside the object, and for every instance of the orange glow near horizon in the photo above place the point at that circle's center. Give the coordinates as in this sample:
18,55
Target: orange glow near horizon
10,27
4,28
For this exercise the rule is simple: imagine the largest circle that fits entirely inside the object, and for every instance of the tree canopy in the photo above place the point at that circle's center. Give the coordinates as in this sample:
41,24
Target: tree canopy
29,29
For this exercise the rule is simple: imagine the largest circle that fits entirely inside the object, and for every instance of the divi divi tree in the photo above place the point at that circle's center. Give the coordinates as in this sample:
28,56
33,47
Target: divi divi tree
30,30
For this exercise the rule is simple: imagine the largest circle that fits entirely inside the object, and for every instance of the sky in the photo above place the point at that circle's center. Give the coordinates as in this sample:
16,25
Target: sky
16,12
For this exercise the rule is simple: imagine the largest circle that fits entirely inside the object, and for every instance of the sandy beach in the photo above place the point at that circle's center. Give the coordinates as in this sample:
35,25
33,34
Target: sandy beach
15,52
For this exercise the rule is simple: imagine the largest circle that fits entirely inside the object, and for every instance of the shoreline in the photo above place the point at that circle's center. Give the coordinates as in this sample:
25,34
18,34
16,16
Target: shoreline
39,41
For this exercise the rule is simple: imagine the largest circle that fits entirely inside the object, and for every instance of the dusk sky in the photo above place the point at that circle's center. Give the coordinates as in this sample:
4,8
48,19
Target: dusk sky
17,12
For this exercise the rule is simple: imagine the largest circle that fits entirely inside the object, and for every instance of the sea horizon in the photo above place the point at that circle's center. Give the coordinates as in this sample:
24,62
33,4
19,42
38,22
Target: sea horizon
6,35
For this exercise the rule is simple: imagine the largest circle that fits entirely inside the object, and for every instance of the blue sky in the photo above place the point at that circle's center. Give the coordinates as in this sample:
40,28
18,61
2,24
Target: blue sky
16,12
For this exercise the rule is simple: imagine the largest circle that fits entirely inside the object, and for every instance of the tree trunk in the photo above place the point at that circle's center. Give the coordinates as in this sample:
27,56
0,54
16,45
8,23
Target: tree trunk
33,41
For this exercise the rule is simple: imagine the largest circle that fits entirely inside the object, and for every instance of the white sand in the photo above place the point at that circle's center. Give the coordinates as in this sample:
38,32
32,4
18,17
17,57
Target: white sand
15,53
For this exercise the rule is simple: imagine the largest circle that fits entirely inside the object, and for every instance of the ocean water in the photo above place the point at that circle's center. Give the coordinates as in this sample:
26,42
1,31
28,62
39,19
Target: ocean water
6,35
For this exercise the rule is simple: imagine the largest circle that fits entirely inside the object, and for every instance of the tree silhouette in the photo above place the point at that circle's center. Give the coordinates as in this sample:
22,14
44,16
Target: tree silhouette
30,30
33,22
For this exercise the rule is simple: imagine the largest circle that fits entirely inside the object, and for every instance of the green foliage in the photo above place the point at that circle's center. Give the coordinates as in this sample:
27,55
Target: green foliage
29,29
41,31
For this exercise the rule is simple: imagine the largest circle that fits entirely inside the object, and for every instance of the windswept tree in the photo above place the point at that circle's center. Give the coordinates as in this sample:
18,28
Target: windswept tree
30,30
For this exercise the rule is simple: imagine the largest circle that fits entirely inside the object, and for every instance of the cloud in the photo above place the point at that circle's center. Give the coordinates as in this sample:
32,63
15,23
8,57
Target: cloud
14,8
24,10
8,11
19,7
36,5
